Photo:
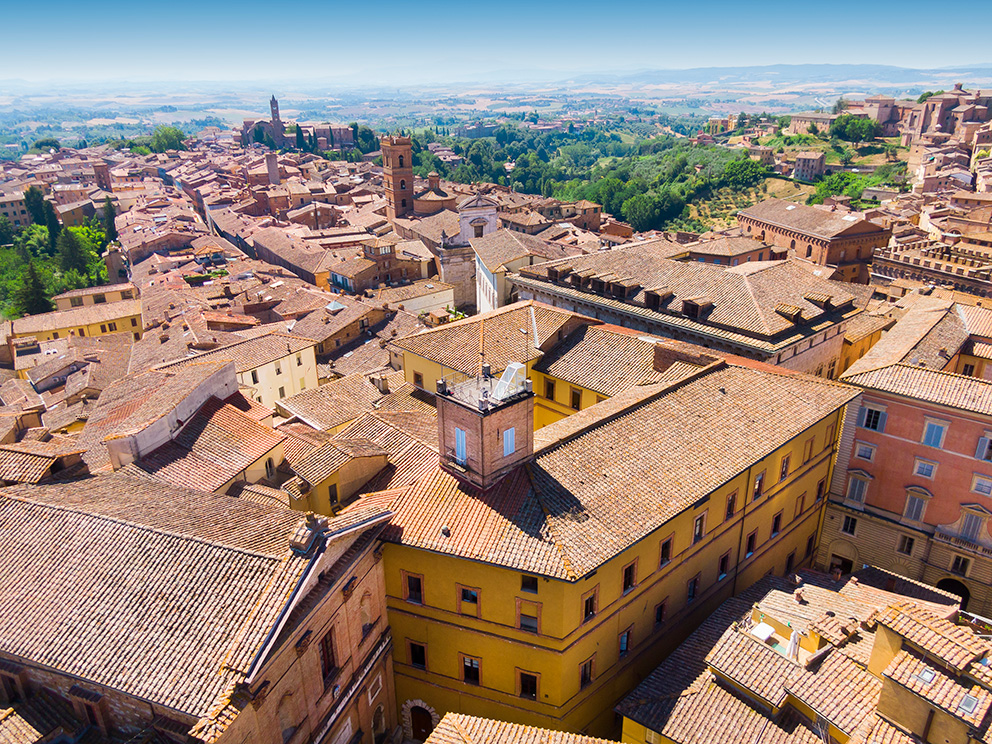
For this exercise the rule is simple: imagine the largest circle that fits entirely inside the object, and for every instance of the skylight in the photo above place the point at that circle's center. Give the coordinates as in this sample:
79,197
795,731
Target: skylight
968,704
927,675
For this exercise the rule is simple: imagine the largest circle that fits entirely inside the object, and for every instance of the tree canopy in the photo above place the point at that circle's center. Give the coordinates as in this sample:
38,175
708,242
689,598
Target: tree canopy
167,138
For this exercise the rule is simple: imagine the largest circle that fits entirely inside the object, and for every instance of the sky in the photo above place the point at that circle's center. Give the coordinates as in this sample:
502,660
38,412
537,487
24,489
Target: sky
437,41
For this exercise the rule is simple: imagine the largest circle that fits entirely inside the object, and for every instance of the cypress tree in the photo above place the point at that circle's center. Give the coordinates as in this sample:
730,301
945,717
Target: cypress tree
54,227
31,298
109,220
71,253
300,144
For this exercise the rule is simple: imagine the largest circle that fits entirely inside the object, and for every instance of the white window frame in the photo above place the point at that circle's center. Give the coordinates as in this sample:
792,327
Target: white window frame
979,478
461,450
509,441
923,461
869,447
944,426
921,499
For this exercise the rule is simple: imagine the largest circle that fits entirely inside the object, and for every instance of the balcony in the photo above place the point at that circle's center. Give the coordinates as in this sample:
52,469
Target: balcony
961,543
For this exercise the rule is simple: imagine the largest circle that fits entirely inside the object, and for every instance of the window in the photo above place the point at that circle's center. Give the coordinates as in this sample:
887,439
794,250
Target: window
856,488
790,561
418,655
134,322
103,329
960,565
549,389
660,612
10,689
864,451
808,450
731,505
529,620
666,552
924,468
528,584
971,526
933,434
468,600
401,161
270,468
299,360
99,299
800,505
623,643
328,662
914,508
776,524
478,230
402,184
724,565
759,484
752,541
254,377
810,545
418,380
527,684
471,670
629,577
509,444
75,301
784,471
586,673
871,418
968,370
282,392
984,450
460,456
698,528
819,489
576,398
278,368
55,334
906,544
414,588
692,588
850,524
982,485
589,604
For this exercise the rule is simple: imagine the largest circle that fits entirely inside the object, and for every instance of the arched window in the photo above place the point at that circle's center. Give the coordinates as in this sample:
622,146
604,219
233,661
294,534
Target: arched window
401,161
402,184
287,717
809,251
367,613
404,203
792,244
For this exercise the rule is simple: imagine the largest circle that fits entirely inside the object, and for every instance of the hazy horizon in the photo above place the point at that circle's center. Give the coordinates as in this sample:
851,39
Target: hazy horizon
396,43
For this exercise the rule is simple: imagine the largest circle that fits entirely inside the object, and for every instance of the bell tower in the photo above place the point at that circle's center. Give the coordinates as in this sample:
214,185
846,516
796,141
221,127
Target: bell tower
485,425
278,130
397,175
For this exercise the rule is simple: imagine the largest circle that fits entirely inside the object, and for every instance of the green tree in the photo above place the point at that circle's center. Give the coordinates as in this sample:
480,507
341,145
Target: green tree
31,298
71,253
6,230
34,201
300,143
53,225
46,143
743,174
839,105
109,220
813,129
928,94
640,212
167,138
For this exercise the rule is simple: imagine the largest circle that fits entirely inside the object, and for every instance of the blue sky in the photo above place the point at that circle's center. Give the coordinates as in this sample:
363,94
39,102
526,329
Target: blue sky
439,41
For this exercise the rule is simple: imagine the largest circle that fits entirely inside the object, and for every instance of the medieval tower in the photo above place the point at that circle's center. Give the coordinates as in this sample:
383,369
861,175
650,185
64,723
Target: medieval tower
397,174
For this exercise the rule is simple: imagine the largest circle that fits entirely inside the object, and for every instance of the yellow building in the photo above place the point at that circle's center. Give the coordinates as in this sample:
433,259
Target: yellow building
88,320
810,658
537,577
95,295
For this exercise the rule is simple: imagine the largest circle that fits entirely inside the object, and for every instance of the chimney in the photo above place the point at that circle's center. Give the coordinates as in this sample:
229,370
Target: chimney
272,165
381,383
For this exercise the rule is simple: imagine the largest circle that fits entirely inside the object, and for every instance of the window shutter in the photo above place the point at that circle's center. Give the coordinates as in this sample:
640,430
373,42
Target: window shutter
983,448
861,416
881,422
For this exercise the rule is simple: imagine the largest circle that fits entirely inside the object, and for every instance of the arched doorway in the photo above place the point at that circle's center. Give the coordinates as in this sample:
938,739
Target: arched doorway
421,722
956,587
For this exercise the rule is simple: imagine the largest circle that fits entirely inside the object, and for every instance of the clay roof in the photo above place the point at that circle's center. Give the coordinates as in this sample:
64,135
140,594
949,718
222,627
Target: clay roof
77,316
68,547
505,335
503,246
801,218
336,403
457,728
249,353
955,647
931,385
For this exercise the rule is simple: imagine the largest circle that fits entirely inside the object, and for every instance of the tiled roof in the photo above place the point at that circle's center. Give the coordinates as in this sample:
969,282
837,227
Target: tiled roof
598,490
744,300
259,494
77,316
336,403
943,388
322,324
23,467
65,560
326,460
457,728
840,690
728,247
953,645
250,353
805,219
603,358
504,246
41,717
943,691
218,443
498,337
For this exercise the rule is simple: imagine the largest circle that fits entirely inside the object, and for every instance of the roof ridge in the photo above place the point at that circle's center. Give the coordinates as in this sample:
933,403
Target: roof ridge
559,543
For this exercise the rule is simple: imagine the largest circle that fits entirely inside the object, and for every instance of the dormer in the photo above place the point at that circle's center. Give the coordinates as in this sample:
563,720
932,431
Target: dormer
822,301
485,425
655,298
559,273
696,307
790,312
624,289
